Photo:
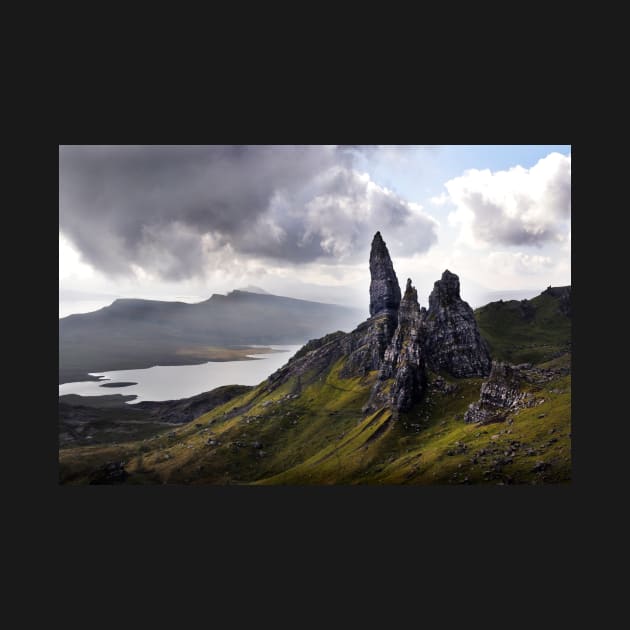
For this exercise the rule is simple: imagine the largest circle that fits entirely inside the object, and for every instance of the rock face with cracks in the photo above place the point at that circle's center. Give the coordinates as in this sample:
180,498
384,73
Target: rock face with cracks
403,360
453,341
400,340
500,394
384,288
366,345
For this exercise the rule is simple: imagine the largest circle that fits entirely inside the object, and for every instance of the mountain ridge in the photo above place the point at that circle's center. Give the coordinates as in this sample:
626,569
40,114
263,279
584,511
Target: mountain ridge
235,293
136,333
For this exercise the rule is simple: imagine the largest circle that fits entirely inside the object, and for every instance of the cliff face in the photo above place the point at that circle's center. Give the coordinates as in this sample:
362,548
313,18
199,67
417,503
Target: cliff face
400,340
453,341
403,360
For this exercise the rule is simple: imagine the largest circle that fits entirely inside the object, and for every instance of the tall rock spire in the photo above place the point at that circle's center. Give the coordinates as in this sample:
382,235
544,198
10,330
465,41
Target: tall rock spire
365,349
453,342
384,288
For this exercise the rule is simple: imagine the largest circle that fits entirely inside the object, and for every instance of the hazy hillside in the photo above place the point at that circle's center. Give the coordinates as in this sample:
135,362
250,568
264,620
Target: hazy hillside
141,333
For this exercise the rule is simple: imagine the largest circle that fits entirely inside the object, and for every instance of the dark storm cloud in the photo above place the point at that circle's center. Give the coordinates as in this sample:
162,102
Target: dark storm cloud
166,208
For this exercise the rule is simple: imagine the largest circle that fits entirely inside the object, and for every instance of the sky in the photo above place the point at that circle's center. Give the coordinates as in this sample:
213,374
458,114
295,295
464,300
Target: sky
184,222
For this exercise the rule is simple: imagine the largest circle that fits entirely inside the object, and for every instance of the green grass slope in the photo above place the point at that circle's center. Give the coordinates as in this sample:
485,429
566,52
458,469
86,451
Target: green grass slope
526,331
322,438
311,430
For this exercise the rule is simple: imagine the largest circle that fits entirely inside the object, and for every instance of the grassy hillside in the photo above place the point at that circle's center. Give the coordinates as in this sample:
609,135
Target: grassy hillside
322,438
311,429
525,331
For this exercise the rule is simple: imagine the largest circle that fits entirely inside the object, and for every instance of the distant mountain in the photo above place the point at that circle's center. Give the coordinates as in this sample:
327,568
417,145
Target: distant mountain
250,288
132,333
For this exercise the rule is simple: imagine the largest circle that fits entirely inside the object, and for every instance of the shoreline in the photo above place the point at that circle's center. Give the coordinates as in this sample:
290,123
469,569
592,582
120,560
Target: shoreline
184,356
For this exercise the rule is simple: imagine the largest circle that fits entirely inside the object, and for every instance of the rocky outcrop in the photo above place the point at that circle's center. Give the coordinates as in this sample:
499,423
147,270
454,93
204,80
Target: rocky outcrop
366,345
403,360
313,359
362,350
400,340
384,288
500,395
453,341
314,344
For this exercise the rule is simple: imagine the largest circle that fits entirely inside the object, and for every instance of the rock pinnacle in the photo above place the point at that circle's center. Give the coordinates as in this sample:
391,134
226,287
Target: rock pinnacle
384,288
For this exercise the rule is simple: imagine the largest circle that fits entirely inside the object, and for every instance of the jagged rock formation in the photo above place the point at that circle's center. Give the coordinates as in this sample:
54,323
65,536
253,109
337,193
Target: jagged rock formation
403,360
500,394
400,340
384,288
304,424
366,345
453,342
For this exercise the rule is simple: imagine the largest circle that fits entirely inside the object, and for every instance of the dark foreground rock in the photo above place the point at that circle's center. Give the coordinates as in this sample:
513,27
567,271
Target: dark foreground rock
111,473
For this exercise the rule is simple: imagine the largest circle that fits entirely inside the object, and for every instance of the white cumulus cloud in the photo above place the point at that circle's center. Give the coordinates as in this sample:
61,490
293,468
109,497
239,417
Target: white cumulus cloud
517,263
519,206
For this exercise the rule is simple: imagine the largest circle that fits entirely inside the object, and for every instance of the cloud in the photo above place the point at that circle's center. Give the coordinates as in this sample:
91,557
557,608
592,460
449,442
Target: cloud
178,212
440,200
518,263
518,206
